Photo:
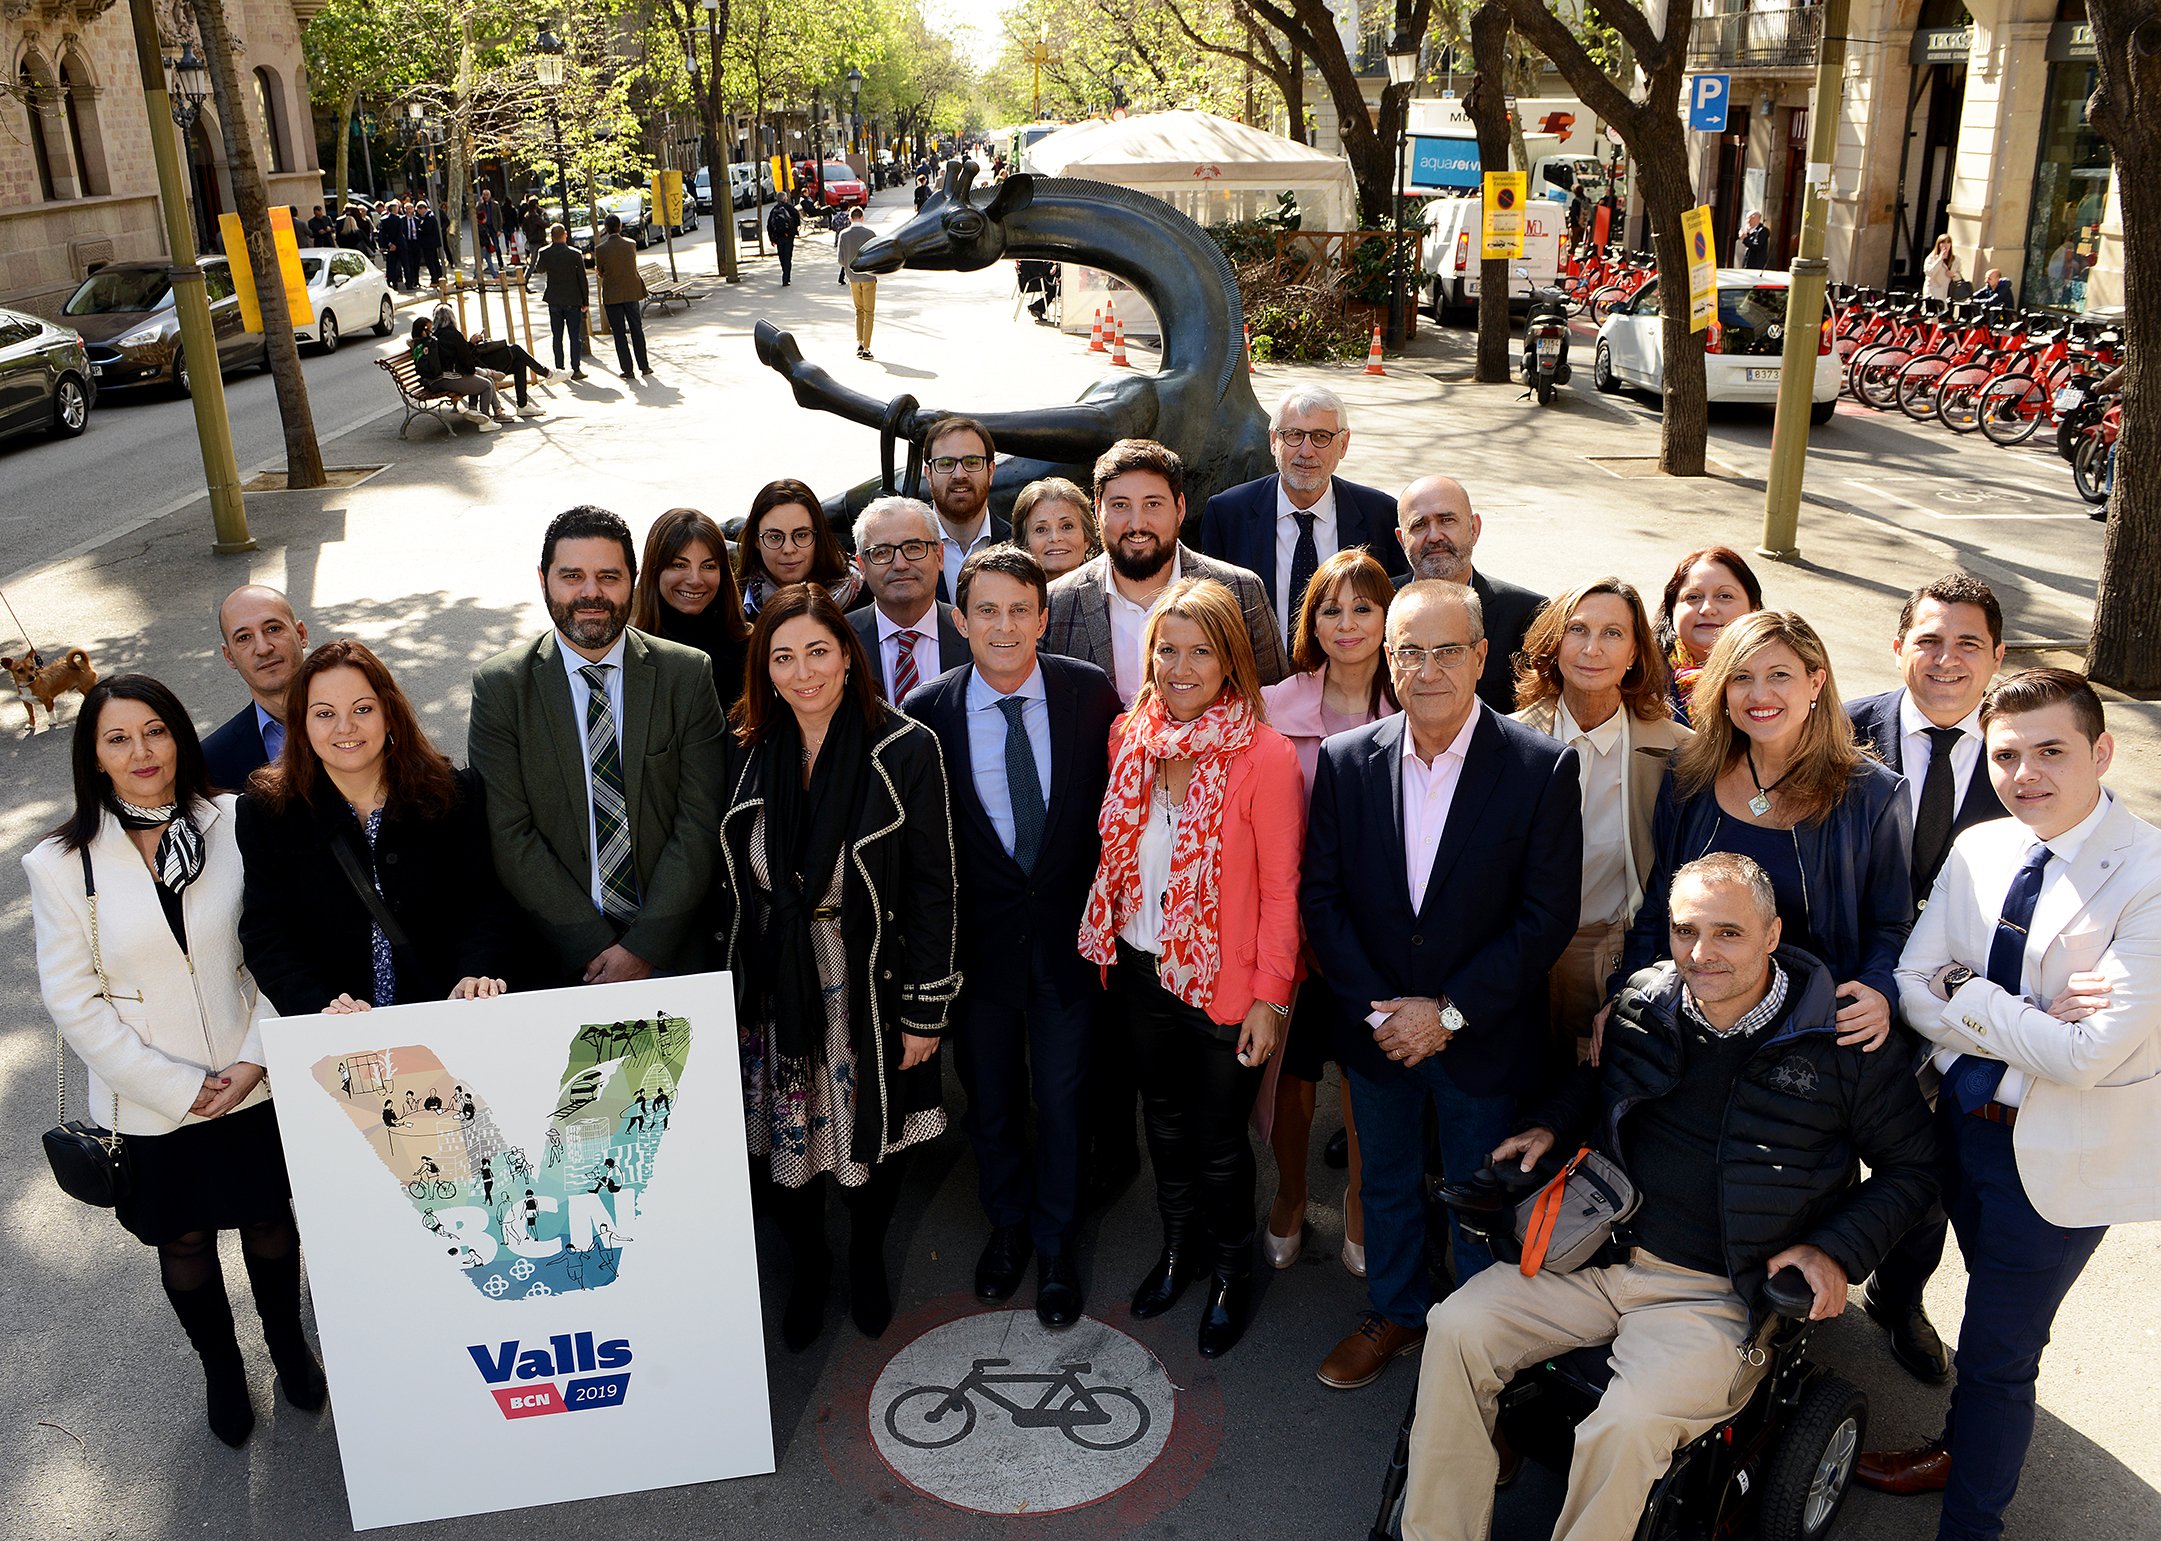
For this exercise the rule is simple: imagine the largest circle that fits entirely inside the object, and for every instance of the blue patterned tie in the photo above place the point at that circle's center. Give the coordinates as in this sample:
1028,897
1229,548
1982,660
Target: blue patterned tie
1023,785
1972,1080
611,811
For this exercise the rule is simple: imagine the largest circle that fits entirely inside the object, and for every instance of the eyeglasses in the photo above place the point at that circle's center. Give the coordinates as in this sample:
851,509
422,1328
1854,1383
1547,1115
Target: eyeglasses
774,540
1319,438
946,465
1413,660
913,550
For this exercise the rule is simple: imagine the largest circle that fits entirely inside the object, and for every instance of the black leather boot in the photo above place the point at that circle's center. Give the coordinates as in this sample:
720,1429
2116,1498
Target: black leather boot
870,1214
801,1213
1230,1300
1167,1278
207,1317
276,1282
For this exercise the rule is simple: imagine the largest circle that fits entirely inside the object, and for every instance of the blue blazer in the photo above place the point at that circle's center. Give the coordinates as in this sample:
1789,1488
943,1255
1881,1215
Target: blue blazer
1239,527
1875,724
1016,925
1500,906
234,749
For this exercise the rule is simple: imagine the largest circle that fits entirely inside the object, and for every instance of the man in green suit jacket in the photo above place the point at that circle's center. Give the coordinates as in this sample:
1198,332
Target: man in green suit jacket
603,754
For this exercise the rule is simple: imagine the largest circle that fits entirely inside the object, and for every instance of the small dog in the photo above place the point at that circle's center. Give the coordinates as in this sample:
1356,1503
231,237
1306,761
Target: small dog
34,685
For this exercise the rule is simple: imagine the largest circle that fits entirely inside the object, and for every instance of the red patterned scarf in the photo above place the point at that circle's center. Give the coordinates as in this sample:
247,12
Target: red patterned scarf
1191,954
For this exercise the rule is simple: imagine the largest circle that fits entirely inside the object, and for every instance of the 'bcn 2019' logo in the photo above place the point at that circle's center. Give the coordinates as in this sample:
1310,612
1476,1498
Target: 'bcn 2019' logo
525,1381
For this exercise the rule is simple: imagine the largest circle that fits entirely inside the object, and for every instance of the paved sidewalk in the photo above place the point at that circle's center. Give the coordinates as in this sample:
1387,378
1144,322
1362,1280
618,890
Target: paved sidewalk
432,562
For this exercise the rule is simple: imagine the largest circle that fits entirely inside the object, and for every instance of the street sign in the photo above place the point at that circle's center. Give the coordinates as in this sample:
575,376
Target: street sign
1437,163
1702,267
1707,98
287,247
1502,214
668,198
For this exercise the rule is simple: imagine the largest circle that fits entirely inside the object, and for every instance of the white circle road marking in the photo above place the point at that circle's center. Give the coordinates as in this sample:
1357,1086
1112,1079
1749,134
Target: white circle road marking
1031,1435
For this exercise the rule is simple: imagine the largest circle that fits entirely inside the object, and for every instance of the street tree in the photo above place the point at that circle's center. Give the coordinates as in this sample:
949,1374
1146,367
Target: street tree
1490,114
350,51
303,455
783,54
1628,69
1141,53
920,83
2125,110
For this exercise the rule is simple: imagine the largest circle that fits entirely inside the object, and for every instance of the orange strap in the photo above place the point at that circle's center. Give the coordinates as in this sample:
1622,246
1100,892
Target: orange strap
1545,1214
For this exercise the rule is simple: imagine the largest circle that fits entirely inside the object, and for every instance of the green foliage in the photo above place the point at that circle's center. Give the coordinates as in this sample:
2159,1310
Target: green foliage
1100,49
1290,331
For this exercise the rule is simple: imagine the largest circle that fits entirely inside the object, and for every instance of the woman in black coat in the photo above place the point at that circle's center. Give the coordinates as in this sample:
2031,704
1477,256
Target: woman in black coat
361,777
837,847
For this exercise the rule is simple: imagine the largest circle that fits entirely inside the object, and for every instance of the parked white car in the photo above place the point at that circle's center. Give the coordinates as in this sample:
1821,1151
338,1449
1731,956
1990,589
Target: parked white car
349,293
1742,354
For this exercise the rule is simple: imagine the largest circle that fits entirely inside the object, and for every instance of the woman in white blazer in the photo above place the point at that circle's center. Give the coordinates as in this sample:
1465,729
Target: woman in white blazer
136,900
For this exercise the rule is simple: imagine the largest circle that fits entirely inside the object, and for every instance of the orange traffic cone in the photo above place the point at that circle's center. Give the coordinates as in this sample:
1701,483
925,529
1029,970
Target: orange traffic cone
1373,355
1249,349
1118,346
1110,318
1095,332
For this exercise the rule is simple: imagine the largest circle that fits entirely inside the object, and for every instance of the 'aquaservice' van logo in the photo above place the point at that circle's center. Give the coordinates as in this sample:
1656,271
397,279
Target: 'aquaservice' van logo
522,1227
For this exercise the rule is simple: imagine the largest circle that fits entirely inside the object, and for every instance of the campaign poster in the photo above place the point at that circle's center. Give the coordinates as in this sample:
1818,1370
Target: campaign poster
1502,215
1702,266
528,1236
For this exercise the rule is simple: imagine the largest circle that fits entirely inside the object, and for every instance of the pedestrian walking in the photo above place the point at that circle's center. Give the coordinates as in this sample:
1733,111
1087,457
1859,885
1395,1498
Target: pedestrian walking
322,229
862,287
561,270
488,230
533,226
622,296
429,226
781,225
1939,273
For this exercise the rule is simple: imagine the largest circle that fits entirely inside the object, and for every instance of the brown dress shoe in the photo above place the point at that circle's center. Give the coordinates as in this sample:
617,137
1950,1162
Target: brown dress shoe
1903,1473
1360,1358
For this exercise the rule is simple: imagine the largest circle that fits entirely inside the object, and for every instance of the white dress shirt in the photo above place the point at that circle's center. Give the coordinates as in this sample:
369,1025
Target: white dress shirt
580,694
1145,930
956,551
1324,542
1915,747
1609,869
1128,620
925,630
1994,878
986,746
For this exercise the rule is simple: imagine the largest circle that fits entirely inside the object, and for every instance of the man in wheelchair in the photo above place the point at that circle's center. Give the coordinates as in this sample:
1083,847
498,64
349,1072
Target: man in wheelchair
1724,1096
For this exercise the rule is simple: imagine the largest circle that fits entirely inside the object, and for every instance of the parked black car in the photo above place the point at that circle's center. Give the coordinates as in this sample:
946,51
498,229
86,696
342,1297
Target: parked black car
125,314
45,377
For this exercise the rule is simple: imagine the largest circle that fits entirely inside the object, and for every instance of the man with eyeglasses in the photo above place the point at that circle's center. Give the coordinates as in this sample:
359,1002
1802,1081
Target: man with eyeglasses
1442,874
1438,533
905,629
961,458
1284,526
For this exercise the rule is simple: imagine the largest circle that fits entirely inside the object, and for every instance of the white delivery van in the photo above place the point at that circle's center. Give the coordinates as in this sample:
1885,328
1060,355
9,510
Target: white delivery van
1453,228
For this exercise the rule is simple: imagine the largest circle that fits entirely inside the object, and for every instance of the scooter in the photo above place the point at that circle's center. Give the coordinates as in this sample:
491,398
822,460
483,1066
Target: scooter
1545,344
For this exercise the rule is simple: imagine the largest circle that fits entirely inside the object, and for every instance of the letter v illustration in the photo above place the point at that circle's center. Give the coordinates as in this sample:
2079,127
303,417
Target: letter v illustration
523,1221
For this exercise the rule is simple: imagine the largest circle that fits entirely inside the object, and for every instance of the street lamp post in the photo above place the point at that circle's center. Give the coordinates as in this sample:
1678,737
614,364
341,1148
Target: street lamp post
1402,71
548,71
213,431
716,147
817,149
855,113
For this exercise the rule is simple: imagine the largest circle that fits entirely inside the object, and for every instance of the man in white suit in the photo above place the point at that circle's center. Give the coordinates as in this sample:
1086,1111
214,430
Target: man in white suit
2033,973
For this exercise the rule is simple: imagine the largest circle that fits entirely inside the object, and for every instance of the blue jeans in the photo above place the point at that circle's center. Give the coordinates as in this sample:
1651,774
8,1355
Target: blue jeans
627,322
1391,1136
2019,1267
562,318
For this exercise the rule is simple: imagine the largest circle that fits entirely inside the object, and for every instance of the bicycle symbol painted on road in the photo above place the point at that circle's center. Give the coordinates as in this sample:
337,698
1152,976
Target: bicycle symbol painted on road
1093,1417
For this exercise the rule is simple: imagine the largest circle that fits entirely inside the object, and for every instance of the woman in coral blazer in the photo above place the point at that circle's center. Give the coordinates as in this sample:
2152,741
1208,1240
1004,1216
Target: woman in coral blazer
1195,913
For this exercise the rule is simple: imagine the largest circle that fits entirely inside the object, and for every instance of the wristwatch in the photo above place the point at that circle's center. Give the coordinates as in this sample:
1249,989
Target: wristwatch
1956,978
1451,1018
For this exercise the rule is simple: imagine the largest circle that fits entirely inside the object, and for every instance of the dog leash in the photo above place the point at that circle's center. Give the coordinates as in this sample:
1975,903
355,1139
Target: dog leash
36,659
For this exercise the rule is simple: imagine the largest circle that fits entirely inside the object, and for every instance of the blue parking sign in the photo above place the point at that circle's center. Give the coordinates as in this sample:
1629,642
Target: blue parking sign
1707,97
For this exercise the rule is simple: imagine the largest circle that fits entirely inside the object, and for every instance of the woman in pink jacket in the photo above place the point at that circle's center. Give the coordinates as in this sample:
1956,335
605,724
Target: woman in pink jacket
1195,913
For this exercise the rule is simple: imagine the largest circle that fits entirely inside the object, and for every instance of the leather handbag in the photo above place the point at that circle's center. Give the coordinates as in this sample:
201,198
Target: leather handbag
89,1162
365,888
1569,1221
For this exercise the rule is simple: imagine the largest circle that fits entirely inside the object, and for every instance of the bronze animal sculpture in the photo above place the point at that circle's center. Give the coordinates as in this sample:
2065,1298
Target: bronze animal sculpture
1200,402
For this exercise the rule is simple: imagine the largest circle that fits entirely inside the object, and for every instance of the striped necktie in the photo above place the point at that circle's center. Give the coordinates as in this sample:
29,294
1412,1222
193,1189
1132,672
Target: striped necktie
611,812
905,677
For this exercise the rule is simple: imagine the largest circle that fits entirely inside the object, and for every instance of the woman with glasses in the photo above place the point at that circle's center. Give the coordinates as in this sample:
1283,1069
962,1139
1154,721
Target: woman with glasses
1195,911
787,539
1055,521
686,593
1709,589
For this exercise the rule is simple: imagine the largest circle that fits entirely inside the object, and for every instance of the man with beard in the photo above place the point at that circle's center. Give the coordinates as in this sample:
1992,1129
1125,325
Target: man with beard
263,642
1439,532
960,457
1284,526
613,880
1097,610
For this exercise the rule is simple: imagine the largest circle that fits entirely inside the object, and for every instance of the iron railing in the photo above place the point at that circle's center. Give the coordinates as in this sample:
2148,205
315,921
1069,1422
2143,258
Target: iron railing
1742,37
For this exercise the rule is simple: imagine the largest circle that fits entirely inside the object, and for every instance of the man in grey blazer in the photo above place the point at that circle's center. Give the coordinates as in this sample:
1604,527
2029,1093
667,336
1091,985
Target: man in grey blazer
602,750
1097,611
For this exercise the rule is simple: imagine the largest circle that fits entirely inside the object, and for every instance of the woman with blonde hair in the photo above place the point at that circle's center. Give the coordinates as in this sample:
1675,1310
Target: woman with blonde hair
1774,774
1194,913
1591,675
1341,683
1055,522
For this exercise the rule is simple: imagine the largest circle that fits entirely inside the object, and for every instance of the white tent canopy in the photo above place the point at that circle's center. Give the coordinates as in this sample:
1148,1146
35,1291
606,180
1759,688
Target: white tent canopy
1211,168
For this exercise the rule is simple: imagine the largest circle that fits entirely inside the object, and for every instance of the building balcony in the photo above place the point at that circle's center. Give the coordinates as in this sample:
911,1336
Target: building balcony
1755,38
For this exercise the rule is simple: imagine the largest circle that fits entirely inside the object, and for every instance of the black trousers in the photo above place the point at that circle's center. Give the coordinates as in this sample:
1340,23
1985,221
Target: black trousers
510,359
1005,1054
786,249
1195,1099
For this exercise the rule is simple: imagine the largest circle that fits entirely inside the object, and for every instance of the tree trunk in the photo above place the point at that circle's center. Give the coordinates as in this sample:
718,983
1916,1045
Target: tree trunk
303,456
1657,142
1487,105
344,158
2125,649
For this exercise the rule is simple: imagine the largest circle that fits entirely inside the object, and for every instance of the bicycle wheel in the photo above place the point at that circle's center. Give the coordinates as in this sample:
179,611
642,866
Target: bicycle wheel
1603,300
2089,468
1958,397
1877,383
1915,385
922,1425
2012,408
1128,1418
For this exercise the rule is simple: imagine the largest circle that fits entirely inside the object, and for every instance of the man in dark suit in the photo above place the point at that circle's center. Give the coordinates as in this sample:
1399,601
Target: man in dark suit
1439,532
909,636
1949,647
429,228
602,752
1443,870
263,641
1283,527
1098,609
960,458
1027,750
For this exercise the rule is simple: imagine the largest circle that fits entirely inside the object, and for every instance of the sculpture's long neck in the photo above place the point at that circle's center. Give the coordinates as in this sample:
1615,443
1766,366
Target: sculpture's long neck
1124,233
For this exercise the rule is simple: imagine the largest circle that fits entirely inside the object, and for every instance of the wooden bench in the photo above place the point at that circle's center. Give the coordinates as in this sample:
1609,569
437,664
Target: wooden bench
419,398
664,291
